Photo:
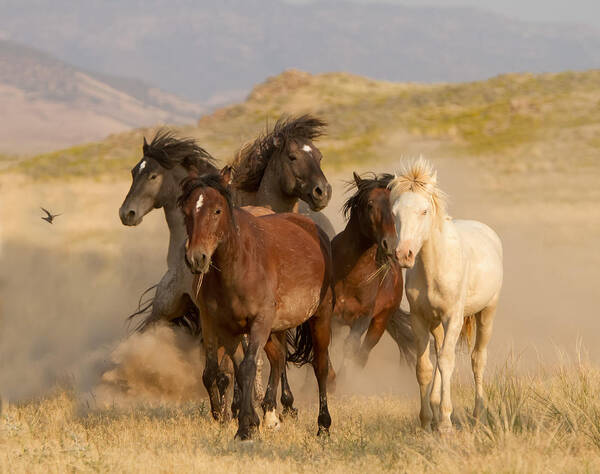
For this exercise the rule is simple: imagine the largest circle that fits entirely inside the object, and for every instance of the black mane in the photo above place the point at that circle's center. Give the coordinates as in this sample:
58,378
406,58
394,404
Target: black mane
170,151
359,199
211,180
252,160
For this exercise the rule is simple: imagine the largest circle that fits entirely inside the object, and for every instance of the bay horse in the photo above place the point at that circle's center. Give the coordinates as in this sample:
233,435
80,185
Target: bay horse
367,278
257,276
281,170
156,180
156,183
453,271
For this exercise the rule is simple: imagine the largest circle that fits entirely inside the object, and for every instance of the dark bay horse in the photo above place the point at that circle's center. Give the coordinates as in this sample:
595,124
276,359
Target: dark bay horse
282,167
367,277
156,180
281,170
257,276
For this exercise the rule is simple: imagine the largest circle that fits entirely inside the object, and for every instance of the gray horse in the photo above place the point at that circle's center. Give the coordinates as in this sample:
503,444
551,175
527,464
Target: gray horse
156,179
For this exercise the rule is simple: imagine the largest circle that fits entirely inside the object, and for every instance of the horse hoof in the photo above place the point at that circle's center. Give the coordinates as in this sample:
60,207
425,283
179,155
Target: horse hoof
445,428
244,435
323,432
290,412
271,420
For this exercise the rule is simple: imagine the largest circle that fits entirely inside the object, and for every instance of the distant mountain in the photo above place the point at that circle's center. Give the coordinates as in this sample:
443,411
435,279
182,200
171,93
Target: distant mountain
47,103
203,49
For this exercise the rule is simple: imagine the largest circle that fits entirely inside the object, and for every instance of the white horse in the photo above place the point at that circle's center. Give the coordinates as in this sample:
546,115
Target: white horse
454,270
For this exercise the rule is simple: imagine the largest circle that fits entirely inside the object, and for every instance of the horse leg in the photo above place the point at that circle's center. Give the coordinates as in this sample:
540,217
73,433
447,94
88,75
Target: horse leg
320,326
435,396
424,369
269,404
446,362
209,378
248,421
225,386
237,355
287,398
374,333
352,342
485,322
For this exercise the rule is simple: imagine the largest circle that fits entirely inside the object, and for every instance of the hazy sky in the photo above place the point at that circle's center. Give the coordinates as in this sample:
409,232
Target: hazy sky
579,11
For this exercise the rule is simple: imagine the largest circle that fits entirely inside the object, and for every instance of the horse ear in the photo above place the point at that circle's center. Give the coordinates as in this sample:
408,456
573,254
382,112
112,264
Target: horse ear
277,141
145,147
357,179
227,174
434,177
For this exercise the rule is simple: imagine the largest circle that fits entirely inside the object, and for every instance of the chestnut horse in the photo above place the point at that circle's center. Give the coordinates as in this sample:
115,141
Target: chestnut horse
257,276
367,277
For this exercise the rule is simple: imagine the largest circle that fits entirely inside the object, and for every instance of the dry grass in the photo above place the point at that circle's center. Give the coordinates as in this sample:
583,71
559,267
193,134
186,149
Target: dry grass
549,421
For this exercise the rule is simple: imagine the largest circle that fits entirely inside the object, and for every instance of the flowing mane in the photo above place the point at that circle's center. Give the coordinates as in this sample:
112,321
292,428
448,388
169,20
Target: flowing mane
171,151
252,159
419,176
359,199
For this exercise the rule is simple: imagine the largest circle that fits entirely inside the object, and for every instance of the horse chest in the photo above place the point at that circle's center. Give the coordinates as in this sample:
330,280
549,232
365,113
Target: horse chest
356,294
428,298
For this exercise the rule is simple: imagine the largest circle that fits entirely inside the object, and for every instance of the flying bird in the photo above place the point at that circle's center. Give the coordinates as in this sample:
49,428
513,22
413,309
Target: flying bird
49,218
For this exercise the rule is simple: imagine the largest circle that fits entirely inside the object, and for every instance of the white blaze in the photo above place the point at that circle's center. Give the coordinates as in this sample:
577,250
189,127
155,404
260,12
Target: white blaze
200,201
307,149
142,166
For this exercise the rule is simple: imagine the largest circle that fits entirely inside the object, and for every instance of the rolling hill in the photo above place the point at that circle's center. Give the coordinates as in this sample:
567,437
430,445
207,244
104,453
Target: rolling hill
514,125
47,103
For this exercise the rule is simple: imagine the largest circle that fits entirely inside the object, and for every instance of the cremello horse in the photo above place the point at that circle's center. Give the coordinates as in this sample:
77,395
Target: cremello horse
454,270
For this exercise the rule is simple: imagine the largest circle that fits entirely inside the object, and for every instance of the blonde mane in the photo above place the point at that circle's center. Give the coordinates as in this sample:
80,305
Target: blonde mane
420,177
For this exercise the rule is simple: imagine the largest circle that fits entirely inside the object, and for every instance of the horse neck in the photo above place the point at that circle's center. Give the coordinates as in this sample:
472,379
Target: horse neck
175,222
269,192
177,234
435,256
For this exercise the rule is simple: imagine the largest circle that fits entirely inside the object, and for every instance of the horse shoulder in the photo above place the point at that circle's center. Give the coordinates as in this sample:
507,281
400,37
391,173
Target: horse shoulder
484,250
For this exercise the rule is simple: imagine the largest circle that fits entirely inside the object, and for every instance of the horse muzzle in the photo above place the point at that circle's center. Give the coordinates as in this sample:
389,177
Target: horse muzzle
130,217
198,262
319,196
405,254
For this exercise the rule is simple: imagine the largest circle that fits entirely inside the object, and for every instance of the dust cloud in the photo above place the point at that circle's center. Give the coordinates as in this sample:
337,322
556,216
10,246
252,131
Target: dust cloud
66,290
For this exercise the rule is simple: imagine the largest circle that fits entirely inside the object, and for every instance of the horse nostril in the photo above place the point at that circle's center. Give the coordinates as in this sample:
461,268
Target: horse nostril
318,191
131,214
384,244
410,254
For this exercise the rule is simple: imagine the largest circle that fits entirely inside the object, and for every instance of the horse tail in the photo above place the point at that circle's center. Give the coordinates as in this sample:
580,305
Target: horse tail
301,344
189,321
144,307
467,333
400,328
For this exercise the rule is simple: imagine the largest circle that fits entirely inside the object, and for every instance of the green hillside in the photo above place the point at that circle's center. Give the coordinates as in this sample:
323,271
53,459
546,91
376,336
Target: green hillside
512,121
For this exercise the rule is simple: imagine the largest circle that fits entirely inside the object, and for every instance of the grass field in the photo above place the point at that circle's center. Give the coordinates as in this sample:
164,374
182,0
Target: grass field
518,152
546,422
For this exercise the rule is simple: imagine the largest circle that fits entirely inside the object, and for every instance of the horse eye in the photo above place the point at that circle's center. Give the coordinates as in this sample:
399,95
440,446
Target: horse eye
292,158
153,176
425,212
218,211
